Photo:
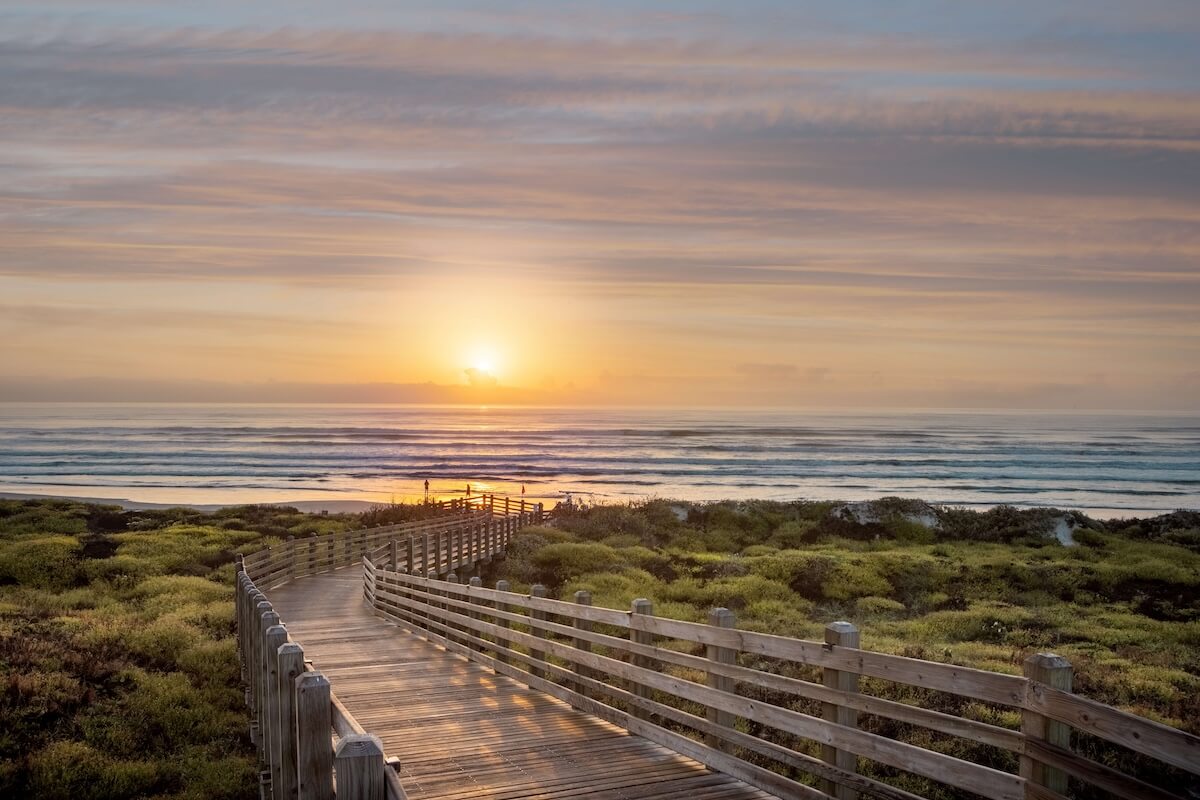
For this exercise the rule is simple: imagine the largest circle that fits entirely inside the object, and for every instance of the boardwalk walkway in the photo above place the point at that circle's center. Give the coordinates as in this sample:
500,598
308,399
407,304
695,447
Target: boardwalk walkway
489,693
461,731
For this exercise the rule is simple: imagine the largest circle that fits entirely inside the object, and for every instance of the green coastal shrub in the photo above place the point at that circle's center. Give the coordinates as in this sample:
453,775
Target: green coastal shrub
878,606
47,562
39,518
805,572
75,771
615,590
795,533
159,595
556,563
116,652
733,592
121,571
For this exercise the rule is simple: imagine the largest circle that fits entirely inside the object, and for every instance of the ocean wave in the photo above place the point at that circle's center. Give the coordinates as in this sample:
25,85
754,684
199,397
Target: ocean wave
1112,462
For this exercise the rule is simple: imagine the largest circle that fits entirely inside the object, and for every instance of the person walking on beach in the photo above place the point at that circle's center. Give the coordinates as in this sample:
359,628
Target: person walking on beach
426,488
468,490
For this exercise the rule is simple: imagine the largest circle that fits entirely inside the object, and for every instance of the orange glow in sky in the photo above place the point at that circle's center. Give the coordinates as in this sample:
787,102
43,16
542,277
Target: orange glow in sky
600,203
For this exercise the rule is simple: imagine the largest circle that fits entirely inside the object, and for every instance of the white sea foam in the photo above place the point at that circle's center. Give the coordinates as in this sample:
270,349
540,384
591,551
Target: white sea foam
1111,464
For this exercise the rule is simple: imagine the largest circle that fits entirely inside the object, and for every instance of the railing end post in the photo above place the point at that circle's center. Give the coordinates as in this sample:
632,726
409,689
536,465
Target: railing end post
314,720
840,634
640,607
1056,672
721,618
359,764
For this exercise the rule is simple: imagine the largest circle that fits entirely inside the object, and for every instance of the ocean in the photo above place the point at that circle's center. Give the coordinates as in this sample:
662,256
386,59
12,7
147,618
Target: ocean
1104,464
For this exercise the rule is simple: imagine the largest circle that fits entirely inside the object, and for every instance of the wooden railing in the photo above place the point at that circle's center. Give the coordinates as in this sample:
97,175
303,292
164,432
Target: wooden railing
296,558
702,690
305,736
295,715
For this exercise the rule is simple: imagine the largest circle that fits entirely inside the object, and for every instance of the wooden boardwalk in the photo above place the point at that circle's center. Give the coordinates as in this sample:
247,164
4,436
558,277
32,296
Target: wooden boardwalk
461,731
488,693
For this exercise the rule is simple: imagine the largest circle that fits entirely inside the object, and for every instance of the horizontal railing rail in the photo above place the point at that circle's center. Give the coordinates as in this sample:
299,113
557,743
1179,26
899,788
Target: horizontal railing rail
296,558
311,746
306,738
683,684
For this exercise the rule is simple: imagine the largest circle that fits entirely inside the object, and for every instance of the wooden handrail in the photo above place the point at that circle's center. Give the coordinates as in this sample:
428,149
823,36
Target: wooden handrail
531,638
303,732
613,664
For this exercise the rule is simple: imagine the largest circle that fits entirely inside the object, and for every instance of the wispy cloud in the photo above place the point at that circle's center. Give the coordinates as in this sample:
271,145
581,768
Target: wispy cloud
1030,180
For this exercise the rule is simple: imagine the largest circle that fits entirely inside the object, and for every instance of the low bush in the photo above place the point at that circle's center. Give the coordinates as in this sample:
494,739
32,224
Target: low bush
559,562
119,671
45,562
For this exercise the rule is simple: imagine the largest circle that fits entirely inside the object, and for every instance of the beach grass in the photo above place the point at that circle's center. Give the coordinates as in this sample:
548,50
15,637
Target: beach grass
121,675
117,654
979,589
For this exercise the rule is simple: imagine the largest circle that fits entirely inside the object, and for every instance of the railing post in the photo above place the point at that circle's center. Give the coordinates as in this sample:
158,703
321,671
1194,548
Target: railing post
1056,672
646,608
241,596
431,615
469,543
537,590
261,609
358,762
584,598
425,566
502,586
405,600
314,724
721,618
437,553
394,555
252,612
476,583
290,665
840,634
274,637
291,557
309,566
451,578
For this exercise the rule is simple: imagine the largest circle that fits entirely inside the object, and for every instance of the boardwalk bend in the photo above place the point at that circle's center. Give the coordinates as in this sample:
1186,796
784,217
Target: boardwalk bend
373,672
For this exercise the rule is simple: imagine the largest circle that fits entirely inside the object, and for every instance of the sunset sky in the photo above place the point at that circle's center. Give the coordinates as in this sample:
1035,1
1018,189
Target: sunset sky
892,203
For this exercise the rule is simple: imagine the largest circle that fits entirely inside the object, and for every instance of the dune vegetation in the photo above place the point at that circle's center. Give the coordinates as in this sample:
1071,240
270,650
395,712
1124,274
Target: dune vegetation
117,658
120,672
980,589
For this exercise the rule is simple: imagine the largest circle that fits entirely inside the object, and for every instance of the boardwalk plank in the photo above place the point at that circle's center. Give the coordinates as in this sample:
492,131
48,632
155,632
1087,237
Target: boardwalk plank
462,732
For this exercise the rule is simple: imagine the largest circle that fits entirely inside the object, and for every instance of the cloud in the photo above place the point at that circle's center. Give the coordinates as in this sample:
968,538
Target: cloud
480,378
716,188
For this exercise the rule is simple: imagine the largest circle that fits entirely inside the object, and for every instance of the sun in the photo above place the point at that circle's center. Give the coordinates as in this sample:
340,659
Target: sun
485,360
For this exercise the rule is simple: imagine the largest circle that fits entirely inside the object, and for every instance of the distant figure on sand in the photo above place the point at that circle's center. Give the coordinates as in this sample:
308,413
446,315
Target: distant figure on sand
427,488
522,488
468,490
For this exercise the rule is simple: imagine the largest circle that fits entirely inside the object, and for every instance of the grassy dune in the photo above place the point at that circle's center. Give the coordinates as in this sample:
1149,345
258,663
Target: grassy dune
116,651
976,589
120,674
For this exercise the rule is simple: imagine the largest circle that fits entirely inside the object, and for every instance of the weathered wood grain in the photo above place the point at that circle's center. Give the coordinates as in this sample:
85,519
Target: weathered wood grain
462,731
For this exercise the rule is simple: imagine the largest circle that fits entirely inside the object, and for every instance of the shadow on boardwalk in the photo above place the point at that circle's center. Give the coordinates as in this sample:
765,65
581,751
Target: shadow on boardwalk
461,731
